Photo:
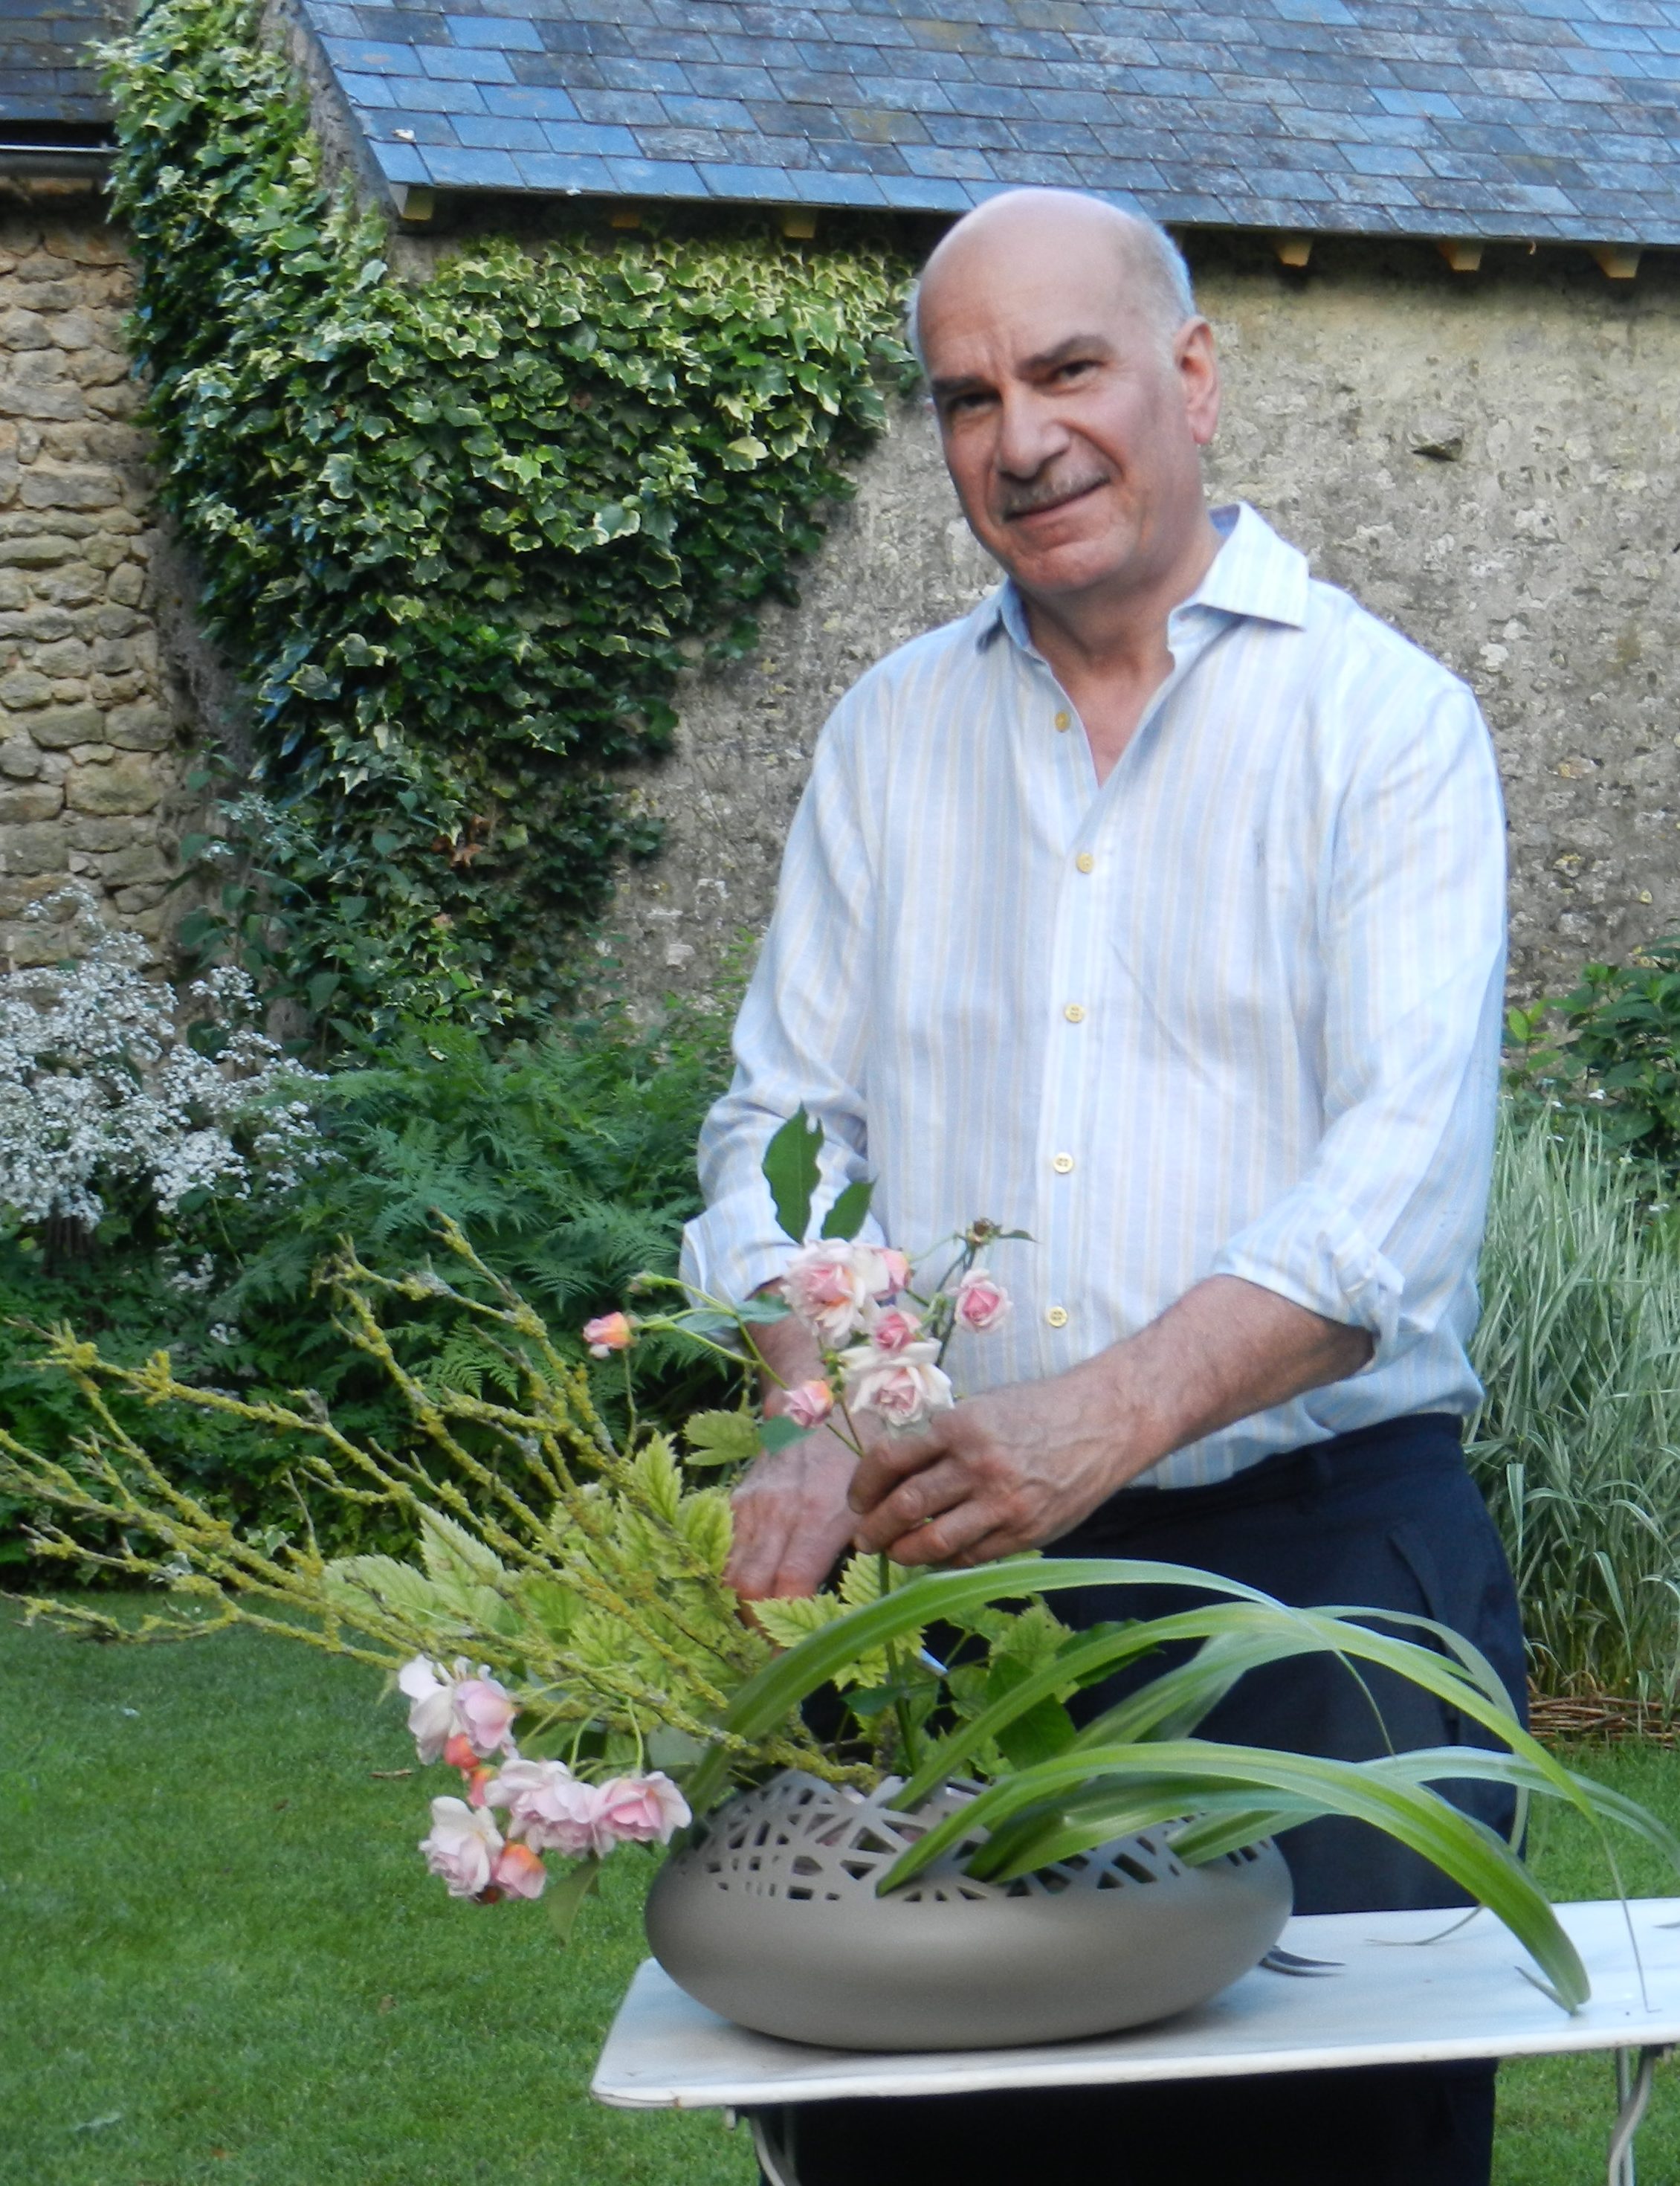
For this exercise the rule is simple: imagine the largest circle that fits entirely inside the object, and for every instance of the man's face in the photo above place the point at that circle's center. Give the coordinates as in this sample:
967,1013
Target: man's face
1072,424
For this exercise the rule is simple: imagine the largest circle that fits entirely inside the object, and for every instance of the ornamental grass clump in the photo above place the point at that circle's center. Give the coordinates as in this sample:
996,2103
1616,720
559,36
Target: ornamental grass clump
1578,1442
570,1647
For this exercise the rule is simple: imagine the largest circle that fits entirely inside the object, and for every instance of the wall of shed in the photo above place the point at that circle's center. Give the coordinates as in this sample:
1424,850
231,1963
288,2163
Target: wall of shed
1536,551
90,757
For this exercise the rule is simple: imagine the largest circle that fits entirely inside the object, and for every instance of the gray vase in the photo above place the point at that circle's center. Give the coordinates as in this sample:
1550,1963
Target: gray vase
770,1916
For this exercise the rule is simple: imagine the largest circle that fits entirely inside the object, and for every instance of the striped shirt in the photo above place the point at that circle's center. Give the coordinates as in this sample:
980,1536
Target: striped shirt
1235,1011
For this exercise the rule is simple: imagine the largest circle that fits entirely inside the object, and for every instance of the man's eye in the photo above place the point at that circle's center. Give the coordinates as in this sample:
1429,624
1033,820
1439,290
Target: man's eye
1077,368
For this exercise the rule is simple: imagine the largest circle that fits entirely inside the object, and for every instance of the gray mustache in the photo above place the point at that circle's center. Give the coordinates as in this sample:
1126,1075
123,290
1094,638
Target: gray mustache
1021,500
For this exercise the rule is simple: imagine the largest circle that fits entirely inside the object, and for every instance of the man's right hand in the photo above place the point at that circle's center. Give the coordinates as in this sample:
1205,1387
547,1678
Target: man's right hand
793,1522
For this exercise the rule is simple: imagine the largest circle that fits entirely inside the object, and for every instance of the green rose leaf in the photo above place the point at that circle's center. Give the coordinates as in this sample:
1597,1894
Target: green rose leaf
790,1171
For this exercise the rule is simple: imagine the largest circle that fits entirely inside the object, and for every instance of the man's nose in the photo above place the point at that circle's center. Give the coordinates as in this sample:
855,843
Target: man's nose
1030,434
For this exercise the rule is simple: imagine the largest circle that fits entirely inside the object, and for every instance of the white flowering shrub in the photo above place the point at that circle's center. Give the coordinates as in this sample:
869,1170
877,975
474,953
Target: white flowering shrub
101,1086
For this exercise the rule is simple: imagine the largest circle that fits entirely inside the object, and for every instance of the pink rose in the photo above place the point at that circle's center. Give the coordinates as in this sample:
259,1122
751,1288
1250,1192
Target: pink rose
981,1302
827,1290
832,1286
518,1872
432,1718
485,1708
463,1846
548,1807
895,1330
477,1710
611,1332
809,1404
640,1810
901,1387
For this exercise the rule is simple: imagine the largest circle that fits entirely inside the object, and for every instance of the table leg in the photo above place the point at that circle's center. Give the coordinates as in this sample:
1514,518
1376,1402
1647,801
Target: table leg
772,2133
1633,2092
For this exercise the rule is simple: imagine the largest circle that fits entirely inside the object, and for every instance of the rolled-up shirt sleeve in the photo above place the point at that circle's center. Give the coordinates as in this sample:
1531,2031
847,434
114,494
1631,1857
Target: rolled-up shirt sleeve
1381,1232
800,1038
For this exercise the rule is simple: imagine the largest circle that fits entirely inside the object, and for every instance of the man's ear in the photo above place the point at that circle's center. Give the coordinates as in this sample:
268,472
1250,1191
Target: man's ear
1197,364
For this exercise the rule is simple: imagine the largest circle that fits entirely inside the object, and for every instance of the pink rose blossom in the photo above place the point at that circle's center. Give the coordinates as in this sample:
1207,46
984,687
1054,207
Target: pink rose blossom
895,1330
551,1810
432,1718
640,1809
446,1710
832,1286
827,1290
901,1387
981,1302
548,1807
610,1332
484,1709
518,1872
463,1846
809,1404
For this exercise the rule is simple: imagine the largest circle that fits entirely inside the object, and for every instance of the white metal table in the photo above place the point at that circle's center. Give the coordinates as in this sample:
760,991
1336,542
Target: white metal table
1393,1997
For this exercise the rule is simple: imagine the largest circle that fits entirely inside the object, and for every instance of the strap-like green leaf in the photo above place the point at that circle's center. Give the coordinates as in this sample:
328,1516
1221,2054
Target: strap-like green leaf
769,1698
1077,1663
1461,1846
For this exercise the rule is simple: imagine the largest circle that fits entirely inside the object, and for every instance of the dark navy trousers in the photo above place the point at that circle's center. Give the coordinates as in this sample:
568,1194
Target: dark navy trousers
1388,1518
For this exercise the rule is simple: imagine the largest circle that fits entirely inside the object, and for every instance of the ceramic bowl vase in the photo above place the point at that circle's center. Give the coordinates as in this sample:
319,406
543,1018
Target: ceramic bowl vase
770,1916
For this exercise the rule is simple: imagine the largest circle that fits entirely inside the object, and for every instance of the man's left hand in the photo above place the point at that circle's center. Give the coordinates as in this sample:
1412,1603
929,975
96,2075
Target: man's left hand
997,1474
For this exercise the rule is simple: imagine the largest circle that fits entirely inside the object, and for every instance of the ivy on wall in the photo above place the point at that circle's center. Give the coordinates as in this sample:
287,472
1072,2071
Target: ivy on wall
458,536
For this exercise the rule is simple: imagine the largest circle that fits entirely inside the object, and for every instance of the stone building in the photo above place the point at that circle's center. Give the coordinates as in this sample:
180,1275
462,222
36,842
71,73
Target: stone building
1436,246
90,756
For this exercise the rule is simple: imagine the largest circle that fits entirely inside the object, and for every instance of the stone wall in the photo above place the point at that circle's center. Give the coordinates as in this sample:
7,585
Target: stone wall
89,767
1490,462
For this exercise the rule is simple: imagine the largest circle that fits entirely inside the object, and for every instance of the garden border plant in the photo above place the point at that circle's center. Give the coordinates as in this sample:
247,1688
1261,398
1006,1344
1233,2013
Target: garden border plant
458,536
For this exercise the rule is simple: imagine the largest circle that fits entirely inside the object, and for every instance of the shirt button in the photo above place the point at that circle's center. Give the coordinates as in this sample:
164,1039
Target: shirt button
1064,719
1074,1014
1062,1164
1057,1316
1084,861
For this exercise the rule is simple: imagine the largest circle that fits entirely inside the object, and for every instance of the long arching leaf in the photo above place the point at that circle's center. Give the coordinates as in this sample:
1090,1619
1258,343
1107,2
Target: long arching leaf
770,1697
1462,1848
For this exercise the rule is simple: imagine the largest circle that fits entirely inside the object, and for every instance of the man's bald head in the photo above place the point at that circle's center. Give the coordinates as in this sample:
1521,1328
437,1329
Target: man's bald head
1149,271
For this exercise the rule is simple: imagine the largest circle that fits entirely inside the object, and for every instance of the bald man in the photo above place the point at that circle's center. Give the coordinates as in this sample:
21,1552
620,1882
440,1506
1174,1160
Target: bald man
1155,908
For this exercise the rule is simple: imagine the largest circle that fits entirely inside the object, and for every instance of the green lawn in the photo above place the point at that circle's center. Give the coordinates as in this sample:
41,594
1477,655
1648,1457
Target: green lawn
223,1962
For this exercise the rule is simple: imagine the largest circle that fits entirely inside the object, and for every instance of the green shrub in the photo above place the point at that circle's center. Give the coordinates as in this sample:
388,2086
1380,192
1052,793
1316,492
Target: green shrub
1578,1443
570,1161
1613,1041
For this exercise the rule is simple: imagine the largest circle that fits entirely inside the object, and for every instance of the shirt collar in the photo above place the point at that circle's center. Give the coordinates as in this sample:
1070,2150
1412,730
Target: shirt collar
1255,572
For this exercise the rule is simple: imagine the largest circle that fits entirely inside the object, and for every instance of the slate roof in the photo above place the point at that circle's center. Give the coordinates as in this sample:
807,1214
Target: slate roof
1514,118
47,87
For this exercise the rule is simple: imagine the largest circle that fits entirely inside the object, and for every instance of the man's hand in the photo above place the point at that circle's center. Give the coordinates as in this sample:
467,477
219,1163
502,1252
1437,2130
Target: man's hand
793,1522
1022,1465
1002,1472
792,1519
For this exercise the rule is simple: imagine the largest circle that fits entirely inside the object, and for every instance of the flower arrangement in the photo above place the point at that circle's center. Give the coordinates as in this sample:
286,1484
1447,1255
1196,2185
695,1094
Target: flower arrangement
607,1687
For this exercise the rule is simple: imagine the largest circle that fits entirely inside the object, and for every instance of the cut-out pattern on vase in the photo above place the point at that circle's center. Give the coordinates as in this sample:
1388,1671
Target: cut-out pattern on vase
771,1916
